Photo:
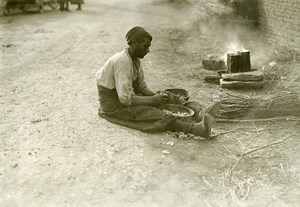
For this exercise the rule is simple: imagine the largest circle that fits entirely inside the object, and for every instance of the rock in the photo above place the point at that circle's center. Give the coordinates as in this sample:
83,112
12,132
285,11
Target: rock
213,64
166,152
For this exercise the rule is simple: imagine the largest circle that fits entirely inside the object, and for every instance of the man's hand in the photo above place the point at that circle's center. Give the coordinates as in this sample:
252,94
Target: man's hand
160,99
174,98
155,100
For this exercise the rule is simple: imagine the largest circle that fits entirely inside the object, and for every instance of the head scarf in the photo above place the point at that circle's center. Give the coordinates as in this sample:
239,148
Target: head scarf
135,33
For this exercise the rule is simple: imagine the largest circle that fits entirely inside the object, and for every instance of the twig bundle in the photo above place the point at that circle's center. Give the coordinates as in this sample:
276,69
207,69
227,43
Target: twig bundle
281,104
234,107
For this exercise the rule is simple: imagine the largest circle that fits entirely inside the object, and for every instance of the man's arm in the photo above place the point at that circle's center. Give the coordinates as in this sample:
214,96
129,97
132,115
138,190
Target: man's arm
127,97
154,100
147,92
149,98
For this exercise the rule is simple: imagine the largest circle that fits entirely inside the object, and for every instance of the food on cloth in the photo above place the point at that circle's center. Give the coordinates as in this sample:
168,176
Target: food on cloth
179,114
177,110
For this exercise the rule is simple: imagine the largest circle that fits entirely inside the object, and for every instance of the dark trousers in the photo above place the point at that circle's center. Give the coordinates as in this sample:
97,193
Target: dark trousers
143,118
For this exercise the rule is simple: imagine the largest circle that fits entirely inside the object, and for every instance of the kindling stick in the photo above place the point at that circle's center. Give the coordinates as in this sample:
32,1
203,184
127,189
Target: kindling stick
268,145
287,118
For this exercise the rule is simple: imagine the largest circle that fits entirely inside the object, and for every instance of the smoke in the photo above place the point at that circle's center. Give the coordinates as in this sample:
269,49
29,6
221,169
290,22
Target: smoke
226,25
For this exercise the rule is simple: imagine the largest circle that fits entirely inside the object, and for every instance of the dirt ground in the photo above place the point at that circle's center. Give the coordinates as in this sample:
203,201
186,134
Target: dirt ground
56,150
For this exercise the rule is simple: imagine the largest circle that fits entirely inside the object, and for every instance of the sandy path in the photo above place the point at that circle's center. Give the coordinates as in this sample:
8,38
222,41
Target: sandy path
56,151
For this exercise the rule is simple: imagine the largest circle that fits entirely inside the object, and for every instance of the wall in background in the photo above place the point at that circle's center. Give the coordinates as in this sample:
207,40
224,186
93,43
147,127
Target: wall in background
280,20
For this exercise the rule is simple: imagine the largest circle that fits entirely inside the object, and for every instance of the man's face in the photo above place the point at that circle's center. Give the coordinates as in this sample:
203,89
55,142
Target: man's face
142,48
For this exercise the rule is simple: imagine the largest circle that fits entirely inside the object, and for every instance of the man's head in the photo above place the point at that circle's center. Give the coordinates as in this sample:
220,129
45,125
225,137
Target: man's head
139,41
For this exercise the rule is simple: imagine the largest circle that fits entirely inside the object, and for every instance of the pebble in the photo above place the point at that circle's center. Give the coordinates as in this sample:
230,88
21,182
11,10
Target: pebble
170,143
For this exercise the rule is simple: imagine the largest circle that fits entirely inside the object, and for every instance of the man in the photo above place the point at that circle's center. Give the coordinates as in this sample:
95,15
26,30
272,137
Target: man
126,99
64,4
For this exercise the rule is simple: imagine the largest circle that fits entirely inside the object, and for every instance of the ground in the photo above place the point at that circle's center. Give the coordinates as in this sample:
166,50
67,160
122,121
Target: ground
56,150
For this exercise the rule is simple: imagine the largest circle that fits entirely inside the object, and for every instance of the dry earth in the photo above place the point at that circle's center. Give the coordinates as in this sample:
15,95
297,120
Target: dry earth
56,151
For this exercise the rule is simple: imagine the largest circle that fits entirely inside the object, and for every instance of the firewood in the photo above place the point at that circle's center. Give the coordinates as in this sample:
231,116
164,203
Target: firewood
212,79
280,105
243,76
241,84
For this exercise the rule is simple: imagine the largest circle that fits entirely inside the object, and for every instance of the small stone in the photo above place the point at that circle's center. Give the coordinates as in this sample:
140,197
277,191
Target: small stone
196,137
170,143
166,152
191,135
183,136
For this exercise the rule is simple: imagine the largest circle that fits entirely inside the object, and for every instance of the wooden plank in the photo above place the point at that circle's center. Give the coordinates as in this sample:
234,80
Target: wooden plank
241,84
244,76
212,79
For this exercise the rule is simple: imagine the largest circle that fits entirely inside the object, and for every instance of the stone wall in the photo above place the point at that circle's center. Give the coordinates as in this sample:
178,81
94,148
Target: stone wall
280,20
